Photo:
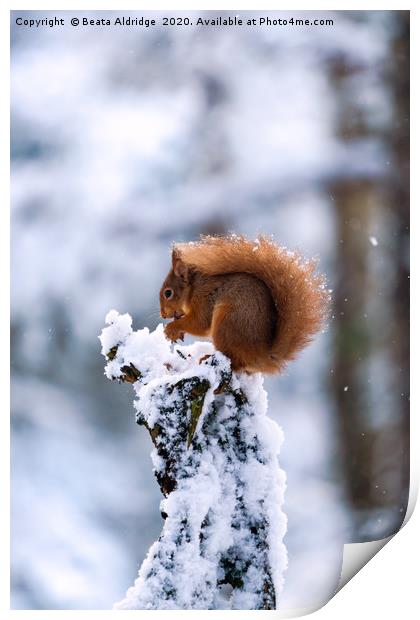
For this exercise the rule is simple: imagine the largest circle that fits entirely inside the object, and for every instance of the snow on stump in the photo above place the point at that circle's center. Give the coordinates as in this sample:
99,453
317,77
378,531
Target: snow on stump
215,457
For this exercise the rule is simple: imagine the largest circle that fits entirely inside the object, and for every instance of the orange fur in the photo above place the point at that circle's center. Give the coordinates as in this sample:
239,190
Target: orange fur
260,320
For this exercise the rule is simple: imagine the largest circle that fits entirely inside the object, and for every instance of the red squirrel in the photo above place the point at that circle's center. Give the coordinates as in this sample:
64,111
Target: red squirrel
259,303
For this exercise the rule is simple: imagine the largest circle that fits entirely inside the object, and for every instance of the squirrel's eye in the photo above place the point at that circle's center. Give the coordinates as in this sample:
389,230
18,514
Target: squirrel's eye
168,292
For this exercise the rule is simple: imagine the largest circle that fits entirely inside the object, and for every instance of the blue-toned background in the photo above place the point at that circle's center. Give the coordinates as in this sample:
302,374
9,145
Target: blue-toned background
125,139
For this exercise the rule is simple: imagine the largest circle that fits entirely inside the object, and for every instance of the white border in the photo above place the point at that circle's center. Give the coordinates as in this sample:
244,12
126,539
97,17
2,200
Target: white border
387,585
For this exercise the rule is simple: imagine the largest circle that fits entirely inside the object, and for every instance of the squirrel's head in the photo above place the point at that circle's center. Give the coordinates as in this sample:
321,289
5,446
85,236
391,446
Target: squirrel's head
174,294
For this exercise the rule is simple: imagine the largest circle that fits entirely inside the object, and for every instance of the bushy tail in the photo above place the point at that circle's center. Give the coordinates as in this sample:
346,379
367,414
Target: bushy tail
301,296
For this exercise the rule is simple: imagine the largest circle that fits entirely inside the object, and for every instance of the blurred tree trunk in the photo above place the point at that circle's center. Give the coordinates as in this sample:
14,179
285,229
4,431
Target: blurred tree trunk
370,373
353,200
399,142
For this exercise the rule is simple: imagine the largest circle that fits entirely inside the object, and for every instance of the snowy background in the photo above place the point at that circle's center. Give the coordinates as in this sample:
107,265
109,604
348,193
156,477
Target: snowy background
126,139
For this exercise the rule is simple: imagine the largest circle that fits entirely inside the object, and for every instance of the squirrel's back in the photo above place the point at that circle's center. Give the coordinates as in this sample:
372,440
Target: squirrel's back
299,297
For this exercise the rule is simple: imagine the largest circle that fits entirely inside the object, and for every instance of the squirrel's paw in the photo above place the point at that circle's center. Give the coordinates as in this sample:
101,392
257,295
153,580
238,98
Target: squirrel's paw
173,333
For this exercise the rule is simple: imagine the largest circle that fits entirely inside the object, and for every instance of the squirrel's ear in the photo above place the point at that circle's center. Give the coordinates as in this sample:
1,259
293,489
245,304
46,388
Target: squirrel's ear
175,255
180,269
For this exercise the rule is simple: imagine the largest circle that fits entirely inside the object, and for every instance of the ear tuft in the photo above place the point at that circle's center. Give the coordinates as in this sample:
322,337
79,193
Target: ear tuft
176,255
180,269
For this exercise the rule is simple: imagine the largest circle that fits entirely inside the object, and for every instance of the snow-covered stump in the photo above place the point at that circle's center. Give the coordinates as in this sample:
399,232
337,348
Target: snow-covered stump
215,457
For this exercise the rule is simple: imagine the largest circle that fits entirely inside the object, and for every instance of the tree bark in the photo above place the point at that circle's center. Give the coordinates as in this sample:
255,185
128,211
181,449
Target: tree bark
216,465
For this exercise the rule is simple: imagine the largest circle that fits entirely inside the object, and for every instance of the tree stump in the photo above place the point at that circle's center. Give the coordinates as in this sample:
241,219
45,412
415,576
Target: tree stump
215,457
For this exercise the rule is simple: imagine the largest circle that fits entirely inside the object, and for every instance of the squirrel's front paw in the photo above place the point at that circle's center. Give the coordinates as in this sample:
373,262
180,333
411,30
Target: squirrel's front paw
173,332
